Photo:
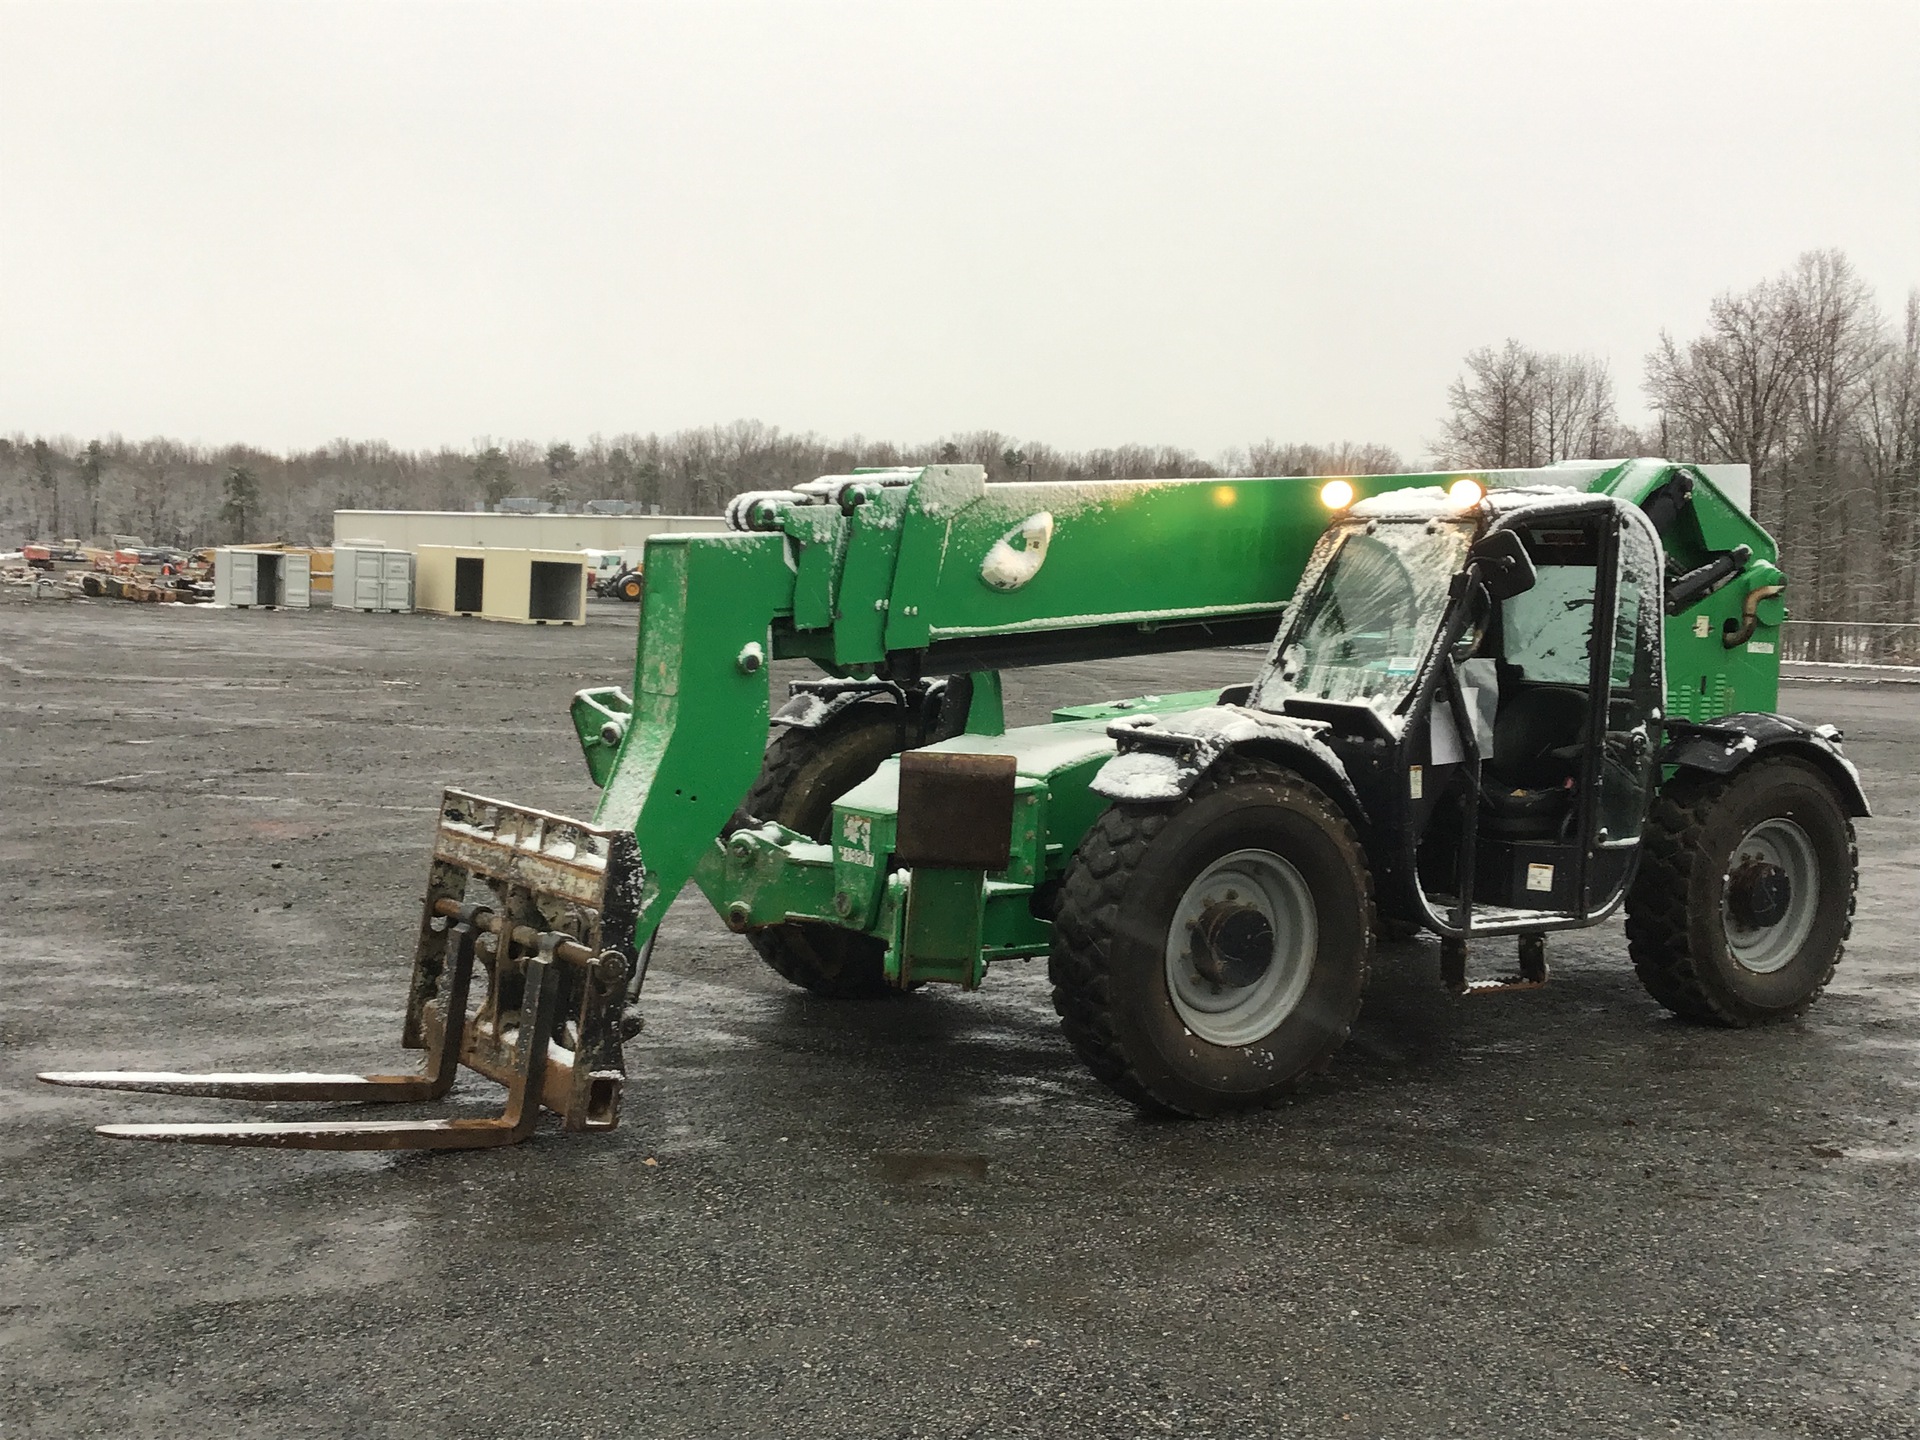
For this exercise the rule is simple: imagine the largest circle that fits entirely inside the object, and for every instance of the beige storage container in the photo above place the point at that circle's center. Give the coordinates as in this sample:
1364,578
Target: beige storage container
530,587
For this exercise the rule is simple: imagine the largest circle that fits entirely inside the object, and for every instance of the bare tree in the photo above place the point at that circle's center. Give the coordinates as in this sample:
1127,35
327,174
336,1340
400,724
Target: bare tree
1728,395
1490,409
1887,427
1515,407
1836,339
1777,382
1574,413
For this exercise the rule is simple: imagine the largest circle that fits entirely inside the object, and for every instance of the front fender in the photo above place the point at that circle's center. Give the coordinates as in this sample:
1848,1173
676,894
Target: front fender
1720,747
1162,757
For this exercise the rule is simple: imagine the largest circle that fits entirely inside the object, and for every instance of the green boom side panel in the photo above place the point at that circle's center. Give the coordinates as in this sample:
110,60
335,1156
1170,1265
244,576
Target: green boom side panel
1019,558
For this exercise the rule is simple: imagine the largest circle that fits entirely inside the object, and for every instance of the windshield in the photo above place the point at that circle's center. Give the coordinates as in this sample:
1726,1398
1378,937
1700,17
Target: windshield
1366,611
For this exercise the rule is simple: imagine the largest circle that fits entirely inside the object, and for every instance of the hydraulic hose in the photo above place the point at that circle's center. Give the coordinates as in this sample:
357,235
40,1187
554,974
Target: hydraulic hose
1750,616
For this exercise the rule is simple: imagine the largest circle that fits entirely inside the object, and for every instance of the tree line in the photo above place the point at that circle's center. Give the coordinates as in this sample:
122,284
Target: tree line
168,493
1802,376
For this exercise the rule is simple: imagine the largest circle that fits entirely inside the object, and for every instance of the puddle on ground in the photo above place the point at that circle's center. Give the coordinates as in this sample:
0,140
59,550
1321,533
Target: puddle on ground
929,1167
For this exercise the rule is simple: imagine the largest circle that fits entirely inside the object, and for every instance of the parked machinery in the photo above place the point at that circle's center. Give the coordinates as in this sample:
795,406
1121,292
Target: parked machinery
1499,705
623,582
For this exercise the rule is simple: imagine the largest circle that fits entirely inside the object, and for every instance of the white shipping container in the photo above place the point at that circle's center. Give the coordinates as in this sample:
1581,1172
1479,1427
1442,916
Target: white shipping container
374,580
263,579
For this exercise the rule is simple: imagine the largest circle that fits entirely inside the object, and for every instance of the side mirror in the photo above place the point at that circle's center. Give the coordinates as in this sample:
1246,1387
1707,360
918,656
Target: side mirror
1501,563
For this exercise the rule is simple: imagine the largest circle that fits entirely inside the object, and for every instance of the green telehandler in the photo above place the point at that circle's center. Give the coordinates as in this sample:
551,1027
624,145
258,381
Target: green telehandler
1496,704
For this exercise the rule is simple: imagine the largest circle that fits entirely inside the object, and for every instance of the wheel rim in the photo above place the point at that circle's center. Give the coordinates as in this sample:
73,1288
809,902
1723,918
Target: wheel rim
1240,950
1772,895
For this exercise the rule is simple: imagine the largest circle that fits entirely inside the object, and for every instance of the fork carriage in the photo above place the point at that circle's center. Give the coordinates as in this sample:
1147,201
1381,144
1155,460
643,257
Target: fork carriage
553,944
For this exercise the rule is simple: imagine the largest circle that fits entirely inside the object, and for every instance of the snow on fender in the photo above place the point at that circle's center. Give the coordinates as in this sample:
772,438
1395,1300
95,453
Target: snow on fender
1144,777
1161,756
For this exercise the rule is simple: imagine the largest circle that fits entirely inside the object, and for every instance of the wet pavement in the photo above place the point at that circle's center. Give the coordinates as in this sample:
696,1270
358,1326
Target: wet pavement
1552,1214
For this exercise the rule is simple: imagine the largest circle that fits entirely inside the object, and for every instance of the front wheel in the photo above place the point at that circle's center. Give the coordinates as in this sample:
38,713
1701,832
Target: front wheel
805,771
1209,954
1744,899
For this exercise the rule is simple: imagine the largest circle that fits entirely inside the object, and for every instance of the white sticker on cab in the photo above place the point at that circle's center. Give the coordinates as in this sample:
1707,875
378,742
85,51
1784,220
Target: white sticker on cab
1539,877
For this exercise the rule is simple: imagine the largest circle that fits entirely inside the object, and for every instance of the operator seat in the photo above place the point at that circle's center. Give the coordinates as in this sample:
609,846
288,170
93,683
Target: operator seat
1529,779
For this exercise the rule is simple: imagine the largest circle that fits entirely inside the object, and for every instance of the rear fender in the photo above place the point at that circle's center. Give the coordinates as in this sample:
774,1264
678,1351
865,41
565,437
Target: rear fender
1162,757
943,707
1732,742
601,716
812,703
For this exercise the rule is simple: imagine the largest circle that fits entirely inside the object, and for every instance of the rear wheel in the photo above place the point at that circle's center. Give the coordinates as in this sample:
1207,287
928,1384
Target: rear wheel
804,773
1209,954
630,588
1744,899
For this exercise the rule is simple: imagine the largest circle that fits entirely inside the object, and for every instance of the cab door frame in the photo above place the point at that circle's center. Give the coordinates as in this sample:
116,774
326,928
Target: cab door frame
1589,850
1640,738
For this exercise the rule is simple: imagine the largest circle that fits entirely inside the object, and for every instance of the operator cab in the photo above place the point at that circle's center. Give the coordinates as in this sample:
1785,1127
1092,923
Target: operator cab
1501,742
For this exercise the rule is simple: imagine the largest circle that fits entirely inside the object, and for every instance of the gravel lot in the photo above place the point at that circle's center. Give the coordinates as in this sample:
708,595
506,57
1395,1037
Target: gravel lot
1556,1214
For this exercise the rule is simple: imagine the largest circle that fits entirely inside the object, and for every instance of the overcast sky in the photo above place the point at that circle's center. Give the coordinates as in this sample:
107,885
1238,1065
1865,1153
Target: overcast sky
1179,223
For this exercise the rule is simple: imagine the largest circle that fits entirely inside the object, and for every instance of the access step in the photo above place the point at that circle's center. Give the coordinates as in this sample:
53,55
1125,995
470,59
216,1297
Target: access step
1532,974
